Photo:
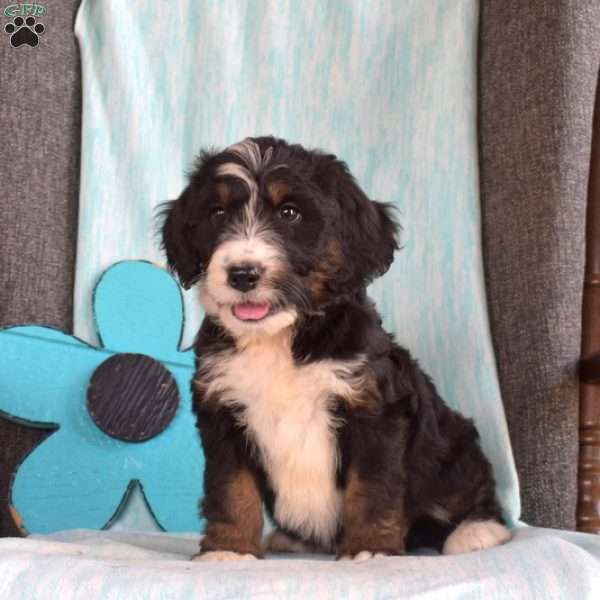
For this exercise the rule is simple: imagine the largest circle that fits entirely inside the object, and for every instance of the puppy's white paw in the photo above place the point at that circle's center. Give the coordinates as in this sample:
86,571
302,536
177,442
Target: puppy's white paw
222,556
363,555
476,535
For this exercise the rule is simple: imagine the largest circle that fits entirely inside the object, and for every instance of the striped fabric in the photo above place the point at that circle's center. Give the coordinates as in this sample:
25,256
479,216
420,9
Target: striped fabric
388,86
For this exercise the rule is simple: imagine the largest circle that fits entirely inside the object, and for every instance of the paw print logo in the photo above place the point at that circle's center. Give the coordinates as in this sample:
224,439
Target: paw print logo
24,31
121,413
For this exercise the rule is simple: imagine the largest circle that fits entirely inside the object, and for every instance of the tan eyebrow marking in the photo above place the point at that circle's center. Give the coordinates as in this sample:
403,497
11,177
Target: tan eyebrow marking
223,192
278,191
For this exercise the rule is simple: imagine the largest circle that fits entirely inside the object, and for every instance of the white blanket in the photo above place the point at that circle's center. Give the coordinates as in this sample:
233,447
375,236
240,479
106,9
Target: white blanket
535,564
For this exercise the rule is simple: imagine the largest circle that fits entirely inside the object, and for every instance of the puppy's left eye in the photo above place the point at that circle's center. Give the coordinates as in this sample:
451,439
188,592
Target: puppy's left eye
290,214
217,214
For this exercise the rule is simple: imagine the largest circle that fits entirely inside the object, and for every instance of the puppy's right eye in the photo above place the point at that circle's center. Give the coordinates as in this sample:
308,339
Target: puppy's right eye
217,215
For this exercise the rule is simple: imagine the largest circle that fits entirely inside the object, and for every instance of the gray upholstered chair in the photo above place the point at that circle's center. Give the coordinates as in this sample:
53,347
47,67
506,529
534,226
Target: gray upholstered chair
538,76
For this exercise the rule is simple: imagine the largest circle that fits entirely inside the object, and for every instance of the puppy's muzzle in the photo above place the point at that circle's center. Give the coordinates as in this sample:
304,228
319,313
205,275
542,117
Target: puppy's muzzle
243,277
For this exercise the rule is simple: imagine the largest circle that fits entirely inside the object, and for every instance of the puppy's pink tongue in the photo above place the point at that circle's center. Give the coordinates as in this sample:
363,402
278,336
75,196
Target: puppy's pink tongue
248,311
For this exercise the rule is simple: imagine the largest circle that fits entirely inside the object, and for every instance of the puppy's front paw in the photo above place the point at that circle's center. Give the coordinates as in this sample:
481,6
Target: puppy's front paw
222,556
362,556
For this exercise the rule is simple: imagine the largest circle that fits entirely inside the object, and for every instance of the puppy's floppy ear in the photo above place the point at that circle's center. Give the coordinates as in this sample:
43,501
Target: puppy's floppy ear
178,241
367,229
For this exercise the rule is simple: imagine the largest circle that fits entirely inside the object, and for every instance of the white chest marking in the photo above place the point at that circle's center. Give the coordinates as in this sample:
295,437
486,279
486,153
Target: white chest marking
286,412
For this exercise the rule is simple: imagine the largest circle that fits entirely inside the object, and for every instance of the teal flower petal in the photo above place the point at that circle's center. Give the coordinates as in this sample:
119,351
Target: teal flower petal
146,318
43,373
70,484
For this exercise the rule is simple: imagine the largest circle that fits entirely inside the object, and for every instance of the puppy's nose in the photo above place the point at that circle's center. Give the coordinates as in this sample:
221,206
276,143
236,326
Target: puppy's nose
243,277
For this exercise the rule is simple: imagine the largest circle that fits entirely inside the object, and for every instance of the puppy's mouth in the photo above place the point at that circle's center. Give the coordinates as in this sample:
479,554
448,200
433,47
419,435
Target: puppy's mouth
251,311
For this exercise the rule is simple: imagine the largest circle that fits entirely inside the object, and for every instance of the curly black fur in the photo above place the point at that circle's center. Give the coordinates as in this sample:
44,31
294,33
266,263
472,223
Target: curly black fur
410,469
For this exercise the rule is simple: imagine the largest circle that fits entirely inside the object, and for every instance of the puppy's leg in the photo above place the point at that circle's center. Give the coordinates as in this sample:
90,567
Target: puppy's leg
473,508
232,504
234,519
374,524
482,527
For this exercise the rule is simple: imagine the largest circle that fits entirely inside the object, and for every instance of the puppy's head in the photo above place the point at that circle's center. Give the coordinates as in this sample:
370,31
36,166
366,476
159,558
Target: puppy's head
272,231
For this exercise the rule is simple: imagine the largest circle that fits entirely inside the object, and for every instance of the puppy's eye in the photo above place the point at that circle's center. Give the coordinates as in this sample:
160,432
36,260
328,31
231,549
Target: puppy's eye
217,214
290,214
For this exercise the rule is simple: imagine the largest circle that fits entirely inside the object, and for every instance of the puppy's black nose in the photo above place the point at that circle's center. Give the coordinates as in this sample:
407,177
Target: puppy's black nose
243,277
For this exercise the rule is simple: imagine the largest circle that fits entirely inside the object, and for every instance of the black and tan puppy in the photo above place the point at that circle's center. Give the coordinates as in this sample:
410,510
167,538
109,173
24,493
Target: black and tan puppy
305,404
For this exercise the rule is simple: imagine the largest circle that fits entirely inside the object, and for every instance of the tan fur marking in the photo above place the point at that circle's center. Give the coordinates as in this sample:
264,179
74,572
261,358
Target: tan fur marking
384,533
326,269
223,192
243,532
278,190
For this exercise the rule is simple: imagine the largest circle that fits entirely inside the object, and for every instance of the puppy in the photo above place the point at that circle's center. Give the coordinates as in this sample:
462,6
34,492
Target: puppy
305,404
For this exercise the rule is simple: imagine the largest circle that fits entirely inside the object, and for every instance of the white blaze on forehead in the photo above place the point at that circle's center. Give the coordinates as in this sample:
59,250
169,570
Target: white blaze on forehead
249,152
239,172
246,240
250,210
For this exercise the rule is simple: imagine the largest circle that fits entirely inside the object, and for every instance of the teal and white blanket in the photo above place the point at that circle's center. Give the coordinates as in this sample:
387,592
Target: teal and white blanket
387,85
538,564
